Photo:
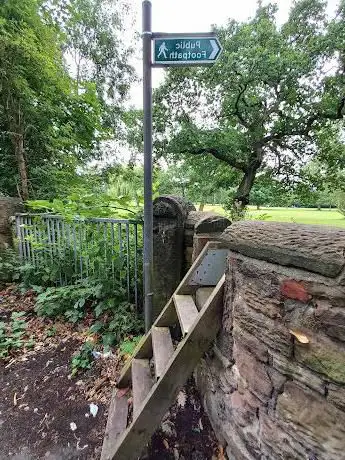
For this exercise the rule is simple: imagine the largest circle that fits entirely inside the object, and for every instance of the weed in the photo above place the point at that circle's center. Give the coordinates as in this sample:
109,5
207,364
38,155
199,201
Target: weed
51,331
127,347
9,266
12,335
82,359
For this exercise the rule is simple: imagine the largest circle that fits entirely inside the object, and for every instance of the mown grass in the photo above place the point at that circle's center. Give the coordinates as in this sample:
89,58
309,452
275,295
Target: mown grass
330,217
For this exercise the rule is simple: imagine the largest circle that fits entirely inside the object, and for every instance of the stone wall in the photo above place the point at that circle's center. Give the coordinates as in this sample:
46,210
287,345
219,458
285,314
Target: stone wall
201,226
8,207
274,384
176,226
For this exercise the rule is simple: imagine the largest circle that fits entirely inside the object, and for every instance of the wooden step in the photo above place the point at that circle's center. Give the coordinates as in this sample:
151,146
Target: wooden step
162,348
186,311
165,390
202,295
143,350
141,382
116,424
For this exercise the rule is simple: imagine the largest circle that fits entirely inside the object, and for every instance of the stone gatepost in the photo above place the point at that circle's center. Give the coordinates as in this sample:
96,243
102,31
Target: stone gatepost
201,227
8,207
169,216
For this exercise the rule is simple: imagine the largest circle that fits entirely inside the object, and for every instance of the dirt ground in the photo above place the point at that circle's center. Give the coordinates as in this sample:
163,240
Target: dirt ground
45,413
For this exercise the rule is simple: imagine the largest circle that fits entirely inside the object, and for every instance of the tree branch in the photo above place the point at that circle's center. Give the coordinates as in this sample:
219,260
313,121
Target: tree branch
237,110
237,164
305,130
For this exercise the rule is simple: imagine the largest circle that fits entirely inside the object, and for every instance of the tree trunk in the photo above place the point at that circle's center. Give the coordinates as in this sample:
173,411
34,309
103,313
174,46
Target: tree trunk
17,129
19,153
242,194
201,206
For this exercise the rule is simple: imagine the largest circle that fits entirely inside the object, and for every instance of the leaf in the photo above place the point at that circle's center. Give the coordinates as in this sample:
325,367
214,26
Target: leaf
302,338
96,327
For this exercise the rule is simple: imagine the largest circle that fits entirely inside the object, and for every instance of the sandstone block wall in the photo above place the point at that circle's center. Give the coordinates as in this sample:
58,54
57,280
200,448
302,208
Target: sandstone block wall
176,223
202,225
274,384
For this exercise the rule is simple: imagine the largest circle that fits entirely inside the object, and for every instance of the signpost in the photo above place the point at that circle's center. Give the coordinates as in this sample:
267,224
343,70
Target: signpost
185,49
168,50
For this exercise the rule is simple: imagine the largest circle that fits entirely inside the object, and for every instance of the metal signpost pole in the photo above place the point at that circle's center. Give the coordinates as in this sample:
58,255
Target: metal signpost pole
168,50
148,207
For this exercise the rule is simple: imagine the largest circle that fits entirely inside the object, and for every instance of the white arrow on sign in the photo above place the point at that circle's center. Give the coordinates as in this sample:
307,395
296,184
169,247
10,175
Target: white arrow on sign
215,49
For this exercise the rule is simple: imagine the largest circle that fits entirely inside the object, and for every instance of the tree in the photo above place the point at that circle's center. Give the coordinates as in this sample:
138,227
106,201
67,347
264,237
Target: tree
260,196
94,31
51,124
29,66
262,106
201,180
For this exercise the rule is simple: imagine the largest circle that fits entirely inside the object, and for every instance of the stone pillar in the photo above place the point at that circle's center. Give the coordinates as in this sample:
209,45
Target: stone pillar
169,214
8,207
201,227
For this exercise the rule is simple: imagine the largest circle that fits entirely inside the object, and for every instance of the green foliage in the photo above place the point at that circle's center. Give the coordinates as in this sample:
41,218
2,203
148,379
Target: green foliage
340,197
115,318
12,335
9,266
60,121
51,332
118,320
91,205
128,346
260,196
265,103
72,300
82,360
199,179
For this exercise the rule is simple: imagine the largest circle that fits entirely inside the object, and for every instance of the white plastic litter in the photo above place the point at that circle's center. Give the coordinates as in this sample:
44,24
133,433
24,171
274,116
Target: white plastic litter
99,355
73,426
93,409
96,354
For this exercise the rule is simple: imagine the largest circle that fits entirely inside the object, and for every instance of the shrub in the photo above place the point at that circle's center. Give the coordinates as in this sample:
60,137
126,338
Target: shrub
116,318
83,359
9,266
12,335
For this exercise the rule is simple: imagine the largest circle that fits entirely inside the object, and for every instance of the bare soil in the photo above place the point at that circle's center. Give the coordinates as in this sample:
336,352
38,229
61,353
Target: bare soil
45,413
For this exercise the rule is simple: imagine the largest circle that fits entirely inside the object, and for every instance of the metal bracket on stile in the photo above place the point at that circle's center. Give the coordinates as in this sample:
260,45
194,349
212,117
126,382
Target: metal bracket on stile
211,269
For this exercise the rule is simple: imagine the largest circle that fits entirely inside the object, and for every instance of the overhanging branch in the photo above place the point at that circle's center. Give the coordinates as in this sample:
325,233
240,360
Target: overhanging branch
220,155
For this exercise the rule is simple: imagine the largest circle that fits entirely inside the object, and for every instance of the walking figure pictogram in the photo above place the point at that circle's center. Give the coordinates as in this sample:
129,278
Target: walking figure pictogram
163,50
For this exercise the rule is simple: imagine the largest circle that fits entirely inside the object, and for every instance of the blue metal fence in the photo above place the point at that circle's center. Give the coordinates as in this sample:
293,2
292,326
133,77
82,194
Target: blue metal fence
83,248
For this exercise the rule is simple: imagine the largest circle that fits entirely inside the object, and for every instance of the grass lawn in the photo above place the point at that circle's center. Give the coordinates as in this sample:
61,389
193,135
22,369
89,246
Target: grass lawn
299,215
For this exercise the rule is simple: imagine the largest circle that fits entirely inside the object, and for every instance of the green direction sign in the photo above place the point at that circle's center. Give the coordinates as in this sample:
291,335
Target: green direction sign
184,50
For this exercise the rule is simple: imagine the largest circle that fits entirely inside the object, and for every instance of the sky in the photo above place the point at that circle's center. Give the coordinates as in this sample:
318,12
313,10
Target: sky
197,16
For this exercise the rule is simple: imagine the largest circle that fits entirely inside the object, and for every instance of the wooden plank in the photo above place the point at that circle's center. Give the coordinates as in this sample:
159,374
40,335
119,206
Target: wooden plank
167,317
186,311
163,348
181,366
116,424
201,296
143,350
142,382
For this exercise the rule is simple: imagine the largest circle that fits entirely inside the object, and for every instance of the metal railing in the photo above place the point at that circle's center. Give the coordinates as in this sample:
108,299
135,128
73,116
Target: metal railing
82,248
